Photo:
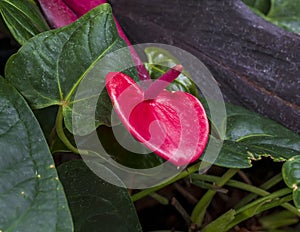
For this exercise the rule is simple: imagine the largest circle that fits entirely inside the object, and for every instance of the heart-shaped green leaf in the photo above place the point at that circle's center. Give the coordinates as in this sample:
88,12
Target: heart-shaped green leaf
23,18
291,176
48,69
95,204
250,136
31,195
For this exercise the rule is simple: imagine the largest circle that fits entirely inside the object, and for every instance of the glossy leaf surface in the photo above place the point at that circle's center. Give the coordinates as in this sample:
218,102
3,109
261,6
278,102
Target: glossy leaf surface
31,194
48,69
95,204
285,14
250,136
23,18
291,176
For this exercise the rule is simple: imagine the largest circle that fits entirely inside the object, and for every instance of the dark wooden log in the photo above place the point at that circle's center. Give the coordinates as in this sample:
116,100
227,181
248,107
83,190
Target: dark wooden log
256,63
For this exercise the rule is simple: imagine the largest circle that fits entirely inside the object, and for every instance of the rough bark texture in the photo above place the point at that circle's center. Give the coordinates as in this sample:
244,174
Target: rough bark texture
256,63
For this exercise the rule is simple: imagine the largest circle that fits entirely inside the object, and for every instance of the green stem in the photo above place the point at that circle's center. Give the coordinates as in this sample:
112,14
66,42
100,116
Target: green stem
161,199
61,134
260,207
291,208
273,181
275,203
146,192
261,200
250,188
201,207
233,183
267,185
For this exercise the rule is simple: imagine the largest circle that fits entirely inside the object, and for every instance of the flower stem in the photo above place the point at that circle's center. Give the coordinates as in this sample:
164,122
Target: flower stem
232,183
261,200
268,184
201,207
247,187
261,205
161,199
61,134
146,192
157,86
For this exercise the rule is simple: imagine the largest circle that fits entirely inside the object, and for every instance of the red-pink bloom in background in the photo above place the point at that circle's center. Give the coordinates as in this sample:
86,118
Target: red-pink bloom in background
60,13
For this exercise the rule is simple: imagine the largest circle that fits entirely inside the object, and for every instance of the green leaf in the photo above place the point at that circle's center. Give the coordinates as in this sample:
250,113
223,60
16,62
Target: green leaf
250,136
23,18
283,8
159,61
48,69
249,2
220,223
285,14
95,204
262,6
31,195
46,118
291,176
143,159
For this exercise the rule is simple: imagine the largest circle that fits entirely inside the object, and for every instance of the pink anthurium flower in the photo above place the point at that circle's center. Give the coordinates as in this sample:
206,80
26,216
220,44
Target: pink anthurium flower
172,124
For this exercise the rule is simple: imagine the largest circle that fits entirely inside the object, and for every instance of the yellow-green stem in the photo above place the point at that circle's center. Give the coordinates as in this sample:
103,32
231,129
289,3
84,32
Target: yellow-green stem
180,176
260,206
250,188
62,136
268,184
161,199
201,207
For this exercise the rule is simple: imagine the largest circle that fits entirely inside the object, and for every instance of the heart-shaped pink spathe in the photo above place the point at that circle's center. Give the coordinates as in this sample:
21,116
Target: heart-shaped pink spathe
173,124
